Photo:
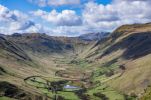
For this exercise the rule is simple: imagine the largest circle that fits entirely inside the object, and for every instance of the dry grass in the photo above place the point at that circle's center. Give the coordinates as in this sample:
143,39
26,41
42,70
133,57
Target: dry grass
136,77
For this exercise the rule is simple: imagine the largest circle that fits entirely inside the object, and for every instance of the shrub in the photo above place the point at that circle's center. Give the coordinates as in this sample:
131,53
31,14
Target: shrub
122,67
133,95
109,73
60,98
100,95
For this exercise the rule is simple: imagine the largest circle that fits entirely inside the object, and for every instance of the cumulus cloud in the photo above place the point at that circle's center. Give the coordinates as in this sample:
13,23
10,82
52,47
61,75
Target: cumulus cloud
21,25
94,17
98,17
117,13
16,21
65,18
95,13
7,15
43,3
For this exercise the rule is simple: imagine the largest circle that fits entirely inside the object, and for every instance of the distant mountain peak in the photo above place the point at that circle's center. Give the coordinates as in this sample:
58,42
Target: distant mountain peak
94,36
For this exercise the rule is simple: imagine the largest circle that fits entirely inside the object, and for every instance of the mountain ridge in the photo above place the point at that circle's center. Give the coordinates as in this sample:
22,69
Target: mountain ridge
94,36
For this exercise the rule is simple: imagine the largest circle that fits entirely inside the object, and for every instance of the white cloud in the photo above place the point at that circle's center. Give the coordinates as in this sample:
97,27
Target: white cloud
67,31
65,18
96,13
6,15
63,2
117,13
21,25
98,17
44,3
16,21
94,17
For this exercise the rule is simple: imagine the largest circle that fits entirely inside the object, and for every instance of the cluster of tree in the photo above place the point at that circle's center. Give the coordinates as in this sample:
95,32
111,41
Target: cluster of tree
58,97
132,96
100,95
55,86
82,95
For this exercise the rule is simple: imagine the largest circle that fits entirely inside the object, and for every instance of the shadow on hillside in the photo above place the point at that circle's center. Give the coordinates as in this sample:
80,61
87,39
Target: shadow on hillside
136,45
12,91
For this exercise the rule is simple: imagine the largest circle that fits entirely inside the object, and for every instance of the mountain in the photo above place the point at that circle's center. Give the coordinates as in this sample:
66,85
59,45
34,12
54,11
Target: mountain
32,54
40,43
113,67
128,47
94,36
10,49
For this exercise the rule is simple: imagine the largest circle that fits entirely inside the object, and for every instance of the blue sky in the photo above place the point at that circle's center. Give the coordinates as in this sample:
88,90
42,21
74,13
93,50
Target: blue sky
71,17
25,5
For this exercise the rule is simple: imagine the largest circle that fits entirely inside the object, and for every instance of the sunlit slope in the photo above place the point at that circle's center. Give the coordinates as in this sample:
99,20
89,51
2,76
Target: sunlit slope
129,46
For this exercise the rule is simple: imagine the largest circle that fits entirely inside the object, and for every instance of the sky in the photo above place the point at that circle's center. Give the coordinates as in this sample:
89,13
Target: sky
70,17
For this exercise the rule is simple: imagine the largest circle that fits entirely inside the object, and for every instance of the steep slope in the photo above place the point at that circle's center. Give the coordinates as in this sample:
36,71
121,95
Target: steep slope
40,43
14,66
13,50
129,47
27,55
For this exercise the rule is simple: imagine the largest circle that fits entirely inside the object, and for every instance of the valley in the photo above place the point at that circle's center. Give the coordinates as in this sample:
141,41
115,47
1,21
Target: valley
90,83
36,66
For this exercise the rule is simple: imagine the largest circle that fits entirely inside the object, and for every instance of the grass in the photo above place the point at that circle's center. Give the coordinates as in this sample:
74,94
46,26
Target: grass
79,66
135,78
40,84
69,95
82,63
100,73
36,84
111,93
71,90
99,77
147,94
66,95
6,98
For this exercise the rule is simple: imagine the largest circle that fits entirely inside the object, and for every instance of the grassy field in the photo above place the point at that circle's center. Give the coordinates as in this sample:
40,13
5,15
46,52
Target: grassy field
74,70
109,92
98,75
6,98
41,84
